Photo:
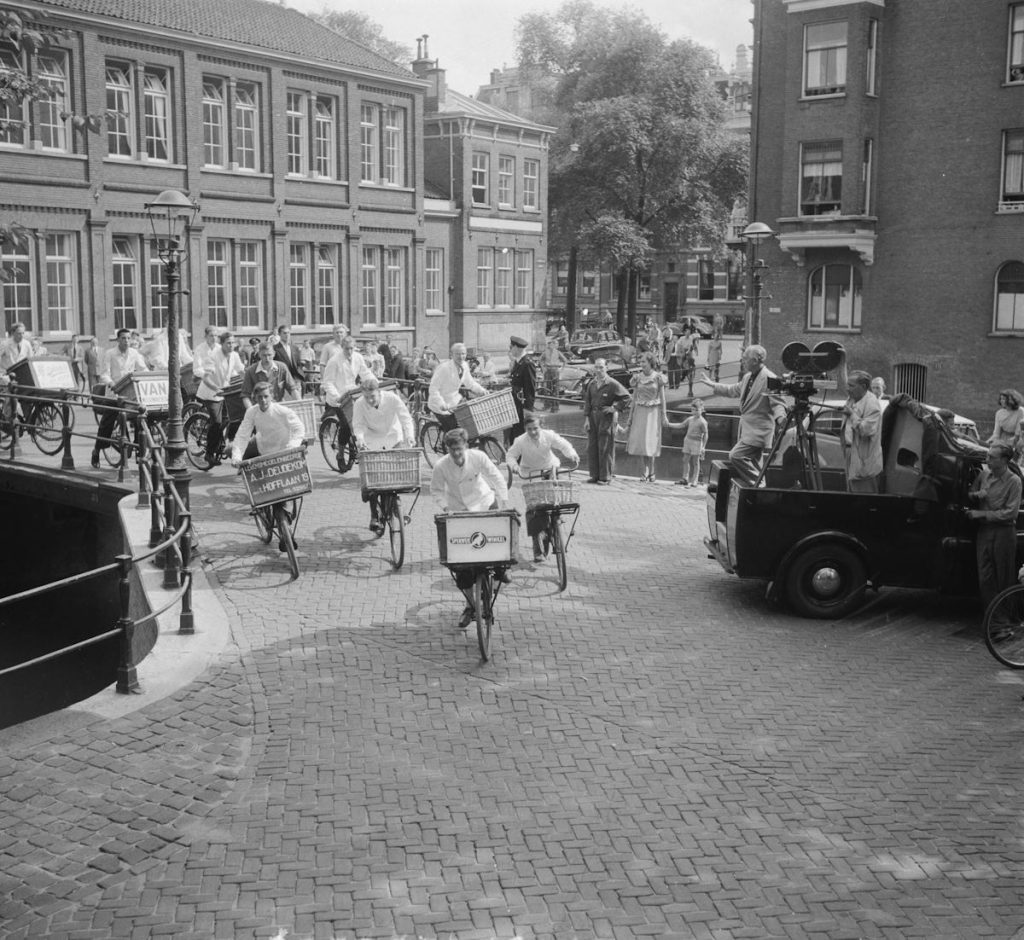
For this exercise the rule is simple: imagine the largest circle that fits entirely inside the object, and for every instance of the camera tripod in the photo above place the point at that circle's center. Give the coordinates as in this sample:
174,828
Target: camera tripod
801,419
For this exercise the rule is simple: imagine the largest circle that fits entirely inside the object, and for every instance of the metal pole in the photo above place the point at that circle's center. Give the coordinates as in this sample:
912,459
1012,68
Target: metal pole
174,449
127,677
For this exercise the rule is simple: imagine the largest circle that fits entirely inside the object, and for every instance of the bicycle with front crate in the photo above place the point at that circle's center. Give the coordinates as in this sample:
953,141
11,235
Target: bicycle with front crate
481,418
387,475
549,495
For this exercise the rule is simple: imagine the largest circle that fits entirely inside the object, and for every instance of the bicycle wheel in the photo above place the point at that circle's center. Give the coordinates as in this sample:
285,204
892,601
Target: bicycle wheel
558,548
347,454
328,435
1004,627
47,428
263,516
195,431
392,510
284,533
432,442
492,448
116,453
482,593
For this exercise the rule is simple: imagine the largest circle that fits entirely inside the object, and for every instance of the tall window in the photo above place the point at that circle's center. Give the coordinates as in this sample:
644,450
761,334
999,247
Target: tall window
298,284
157,112
484,264
370,284
214,129
1016,52
503,277
326,286
60,284
249,295
586,281
13,114
394,146
157,290
524,279
394,285
433,291
1009,315
1013,166
369,143
506,182
125,284
481,162
51,112
295,119
323,138
821,187
247,127
16,287
218,280
833,298
382,143
643,285
387,267
867,174
531,184
825,59
705,279
871,65
314,297
120,112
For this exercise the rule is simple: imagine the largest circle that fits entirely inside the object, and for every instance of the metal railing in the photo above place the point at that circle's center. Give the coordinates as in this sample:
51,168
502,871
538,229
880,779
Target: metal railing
171,535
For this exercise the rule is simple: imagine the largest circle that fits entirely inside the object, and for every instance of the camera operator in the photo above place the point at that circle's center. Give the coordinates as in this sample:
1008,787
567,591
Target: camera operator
760,414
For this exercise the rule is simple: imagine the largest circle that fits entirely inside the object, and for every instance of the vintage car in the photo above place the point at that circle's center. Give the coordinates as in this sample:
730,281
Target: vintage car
594,343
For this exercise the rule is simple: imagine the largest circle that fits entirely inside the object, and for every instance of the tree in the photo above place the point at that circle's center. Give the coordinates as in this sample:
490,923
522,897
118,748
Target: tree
640,137
360,28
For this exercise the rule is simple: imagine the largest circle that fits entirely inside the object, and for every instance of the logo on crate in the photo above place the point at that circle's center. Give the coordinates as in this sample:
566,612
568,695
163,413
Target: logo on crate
478,540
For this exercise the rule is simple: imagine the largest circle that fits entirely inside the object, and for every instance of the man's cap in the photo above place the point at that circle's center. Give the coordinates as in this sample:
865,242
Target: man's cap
518,341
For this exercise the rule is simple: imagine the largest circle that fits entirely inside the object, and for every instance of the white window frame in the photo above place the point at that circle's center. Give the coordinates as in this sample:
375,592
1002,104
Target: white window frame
156,115
394,286
215,131
531,185
479,183
1011,188
848,319
219,302
369,142
393,172
523,291
504,263
297,135
484,277
1008,315
15,129
246,156
18,288
817,50
120,100
324,134
327,311
1015,45
506,181
249,292
51,128
157,290
298,283
871,63
124,282
369,284
59,282
433,280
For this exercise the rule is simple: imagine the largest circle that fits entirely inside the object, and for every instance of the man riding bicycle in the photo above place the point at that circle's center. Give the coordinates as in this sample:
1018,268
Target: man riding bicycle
446,385
340,380
468,481
223,365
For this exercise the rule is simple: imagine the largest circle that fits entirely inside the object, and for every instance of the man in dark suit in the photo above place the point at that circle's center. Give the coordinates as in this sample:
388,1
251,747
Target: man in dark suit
287,352
523,379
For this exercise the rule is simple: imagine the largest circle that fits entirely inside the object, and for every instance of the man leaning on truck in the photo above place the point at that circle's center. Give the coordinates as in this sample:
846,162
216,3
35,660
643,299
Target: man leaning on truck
862,435
997,495
760,414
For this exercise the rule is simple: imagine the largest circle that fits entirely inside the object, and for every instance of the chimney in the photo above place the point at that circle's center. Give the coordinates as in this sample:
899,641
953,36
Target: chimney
742,63
427,68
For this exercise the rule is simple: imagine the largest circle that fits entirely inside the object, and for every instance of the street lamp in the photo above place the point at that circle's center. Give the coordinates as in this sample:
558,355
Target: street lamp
170,216
753,235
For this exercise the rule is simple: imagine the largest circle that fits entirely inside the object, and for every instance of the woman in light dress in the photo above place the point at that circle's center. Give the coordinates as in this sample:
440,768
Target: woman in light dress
1008,420
647,413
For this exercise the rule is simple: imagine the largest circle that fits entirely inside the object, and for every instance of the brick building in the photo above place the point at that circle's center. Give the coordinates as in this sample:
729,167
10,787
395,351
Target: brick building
303,149
896,190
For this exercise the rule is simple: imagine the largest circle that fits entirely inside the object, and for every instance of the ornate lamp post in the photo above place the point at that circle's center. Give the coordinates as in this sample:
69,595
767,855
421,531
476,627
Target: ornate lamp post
753,235
170,216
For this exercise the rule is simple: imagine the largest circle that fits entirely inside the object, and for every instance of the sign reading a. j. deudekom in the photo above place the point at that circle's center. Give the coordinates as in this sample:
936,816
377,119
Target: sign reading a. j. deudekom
279,476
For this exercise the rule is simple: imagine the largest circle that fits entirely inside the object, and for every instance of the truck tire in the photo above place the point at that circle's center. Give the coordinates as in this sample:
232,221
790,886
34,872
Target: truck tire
826,581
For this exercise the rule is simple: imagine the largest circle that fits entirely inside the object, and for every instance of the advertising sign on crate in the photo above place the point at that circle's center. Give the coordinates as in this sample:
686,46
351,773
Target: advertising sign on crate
478,538
276,477
144,388
49,372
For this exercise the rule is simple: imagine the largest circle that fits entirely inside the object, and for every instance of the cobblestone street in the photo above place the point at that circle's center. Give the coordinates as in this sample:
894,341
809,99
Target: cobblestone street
654,752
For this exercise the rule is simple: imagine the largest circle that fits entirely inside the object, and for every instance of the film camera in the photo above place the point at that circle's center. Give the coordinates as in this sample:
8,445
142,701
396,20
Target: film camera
806,367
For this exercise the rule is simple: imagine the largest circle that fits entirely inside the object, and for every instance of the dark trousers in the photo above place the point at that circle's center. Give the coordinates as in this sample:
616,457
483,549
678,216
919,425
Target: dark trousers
214,430
997,559
673,372
601,446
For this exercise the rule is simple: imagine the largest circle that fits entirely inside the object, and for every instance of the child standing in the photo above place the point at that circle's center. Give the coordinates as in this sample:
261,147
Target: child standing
695,442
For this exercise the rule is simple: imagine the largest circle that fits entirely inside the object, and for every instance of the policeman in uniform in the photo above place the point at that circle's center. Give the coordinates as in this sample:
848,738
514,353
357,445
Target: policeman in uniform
523,379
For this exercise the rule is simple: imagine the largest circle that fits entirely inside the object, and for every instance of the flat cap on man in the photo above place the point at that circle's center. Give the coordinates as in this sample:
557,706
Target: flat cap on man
518,341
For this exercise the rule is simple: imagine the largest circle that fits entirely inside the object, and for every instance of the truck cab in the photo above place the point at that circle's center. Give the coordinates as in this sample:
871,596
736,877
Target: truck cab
820,548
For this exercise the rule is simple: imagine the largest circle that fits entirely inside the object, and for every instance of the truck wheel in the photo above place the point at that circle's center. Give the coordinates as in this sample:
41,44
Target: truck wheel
826,581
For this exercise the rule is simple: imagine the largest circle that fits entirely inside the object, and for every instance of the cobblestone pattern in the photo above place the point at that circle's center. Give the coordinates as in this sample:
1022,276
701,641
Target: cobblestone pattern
653,753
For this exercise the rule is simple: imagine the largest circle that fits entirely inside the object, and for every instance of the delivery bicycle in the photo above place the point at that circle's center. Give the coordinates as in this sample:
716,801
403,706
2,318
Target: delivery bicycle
550,497
1004,627
389,475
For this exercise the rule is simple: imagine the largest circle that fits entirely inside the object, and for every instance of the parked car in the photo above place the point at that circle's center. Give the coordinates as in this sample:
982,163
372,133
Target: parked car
703,328
581,373
591,343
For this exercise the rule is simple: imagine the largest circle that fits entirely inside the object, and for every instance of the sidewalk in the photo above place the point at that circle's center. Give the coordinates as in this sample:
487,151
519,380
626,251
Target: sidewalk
654,752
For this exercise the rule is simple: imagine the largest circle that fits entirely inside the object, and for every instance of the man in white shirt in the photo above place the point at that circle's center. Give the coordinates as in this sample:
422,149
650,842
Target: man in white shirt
446,385
533,454
267,428
223,365
466,480
115,364
380,421
341,377
15,348
204,351
333,345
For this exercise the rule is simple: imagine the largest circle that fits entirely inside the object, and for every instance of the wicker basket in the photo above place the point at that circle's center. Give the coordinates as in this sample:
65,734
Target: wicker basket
541,494
488,414
393,470
309,411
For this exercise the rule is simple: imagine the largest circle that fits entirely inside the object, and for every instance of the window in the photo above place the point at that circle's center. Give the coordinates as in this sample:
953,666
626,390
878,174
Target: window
433,293
1016,55
833,298
214,130
1013,166
586,281
125,284
910,378
506,182
42,122
323,138
871,65
821,187
524,279
643,285
382,144
313,278
298,284
1010,298
249,296
295,119
562,277
246,127
385,266
531,184
484,264
867,174
120,113
825,59
16,285
503,277
51,112
326,286
60,284
705,279
218,281
158,289
13,115
157,111
479,180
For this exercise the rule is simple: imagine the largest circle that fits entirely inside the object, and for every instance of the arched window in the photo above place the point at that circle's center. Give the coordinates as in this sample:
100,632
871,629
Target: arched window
833,298
1010,298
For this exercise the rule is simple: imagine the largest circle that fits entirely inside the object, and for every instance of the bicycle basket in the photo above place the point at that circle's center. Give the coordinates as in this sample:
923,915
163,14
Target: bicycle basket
545,493
397,469
484,415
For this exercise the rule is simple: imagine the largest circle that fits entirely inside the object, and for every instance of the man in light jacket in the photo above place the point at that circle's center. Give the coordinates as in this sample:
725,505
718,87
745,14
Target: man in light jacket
862,435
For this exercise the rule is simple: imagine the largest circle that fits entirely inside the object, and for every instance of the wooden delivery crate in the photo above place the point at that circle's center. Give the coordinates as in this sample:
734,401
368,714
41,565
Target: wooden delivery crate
488,414
144,388
478,538
393,470
45,372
